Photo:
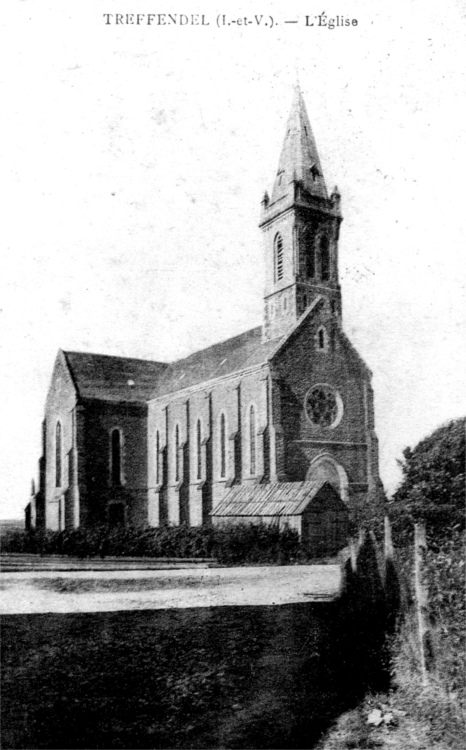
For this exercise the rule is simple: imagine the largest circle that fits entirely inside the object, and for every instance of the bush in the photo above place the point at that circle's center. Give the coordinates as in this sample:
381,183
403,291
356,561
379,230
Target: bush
19,541
235,544
433,483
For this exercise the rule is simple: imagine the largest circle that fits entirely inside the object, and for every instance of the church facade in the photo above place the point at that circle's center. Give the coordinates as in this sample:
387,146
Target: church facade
252,428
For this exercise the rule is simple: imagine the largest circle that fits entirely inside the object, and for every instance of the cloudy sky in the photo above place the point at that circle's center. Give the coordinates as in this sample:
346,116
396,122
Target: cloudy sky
134,160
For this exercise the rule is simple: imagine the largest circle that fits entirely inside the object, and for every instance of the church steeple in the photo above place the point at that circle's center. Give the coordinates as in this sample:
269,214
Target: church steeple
301,227
299,160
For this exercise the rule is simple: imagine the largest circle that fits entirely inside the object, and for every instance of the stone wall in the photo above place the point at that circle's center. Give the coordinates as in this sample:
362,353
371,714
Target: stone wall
200,482
97,421
301,365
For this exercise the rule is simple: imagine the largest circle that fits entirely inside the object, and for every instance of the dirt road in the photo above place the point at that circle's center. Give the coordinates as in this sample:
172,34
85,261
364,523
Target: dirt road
58,591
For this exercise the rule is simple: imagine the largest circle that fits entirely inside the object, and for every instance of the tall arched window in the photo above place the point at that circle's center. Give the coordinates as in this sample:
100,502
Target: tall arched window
223,446
58,453
324,259
177,453
252,440
309,254
199,449
278,257
157,458
116,456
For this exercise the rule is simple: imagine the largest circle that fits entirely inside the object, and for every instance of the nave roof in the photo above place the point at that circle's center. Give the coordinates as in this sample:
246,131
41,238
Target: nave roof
110,378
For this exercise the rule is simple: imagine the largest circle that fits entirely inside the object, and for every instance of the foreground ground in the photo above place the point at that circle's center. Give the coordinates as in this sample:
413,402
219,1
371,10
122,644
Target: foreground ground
203,667
240,677
289,675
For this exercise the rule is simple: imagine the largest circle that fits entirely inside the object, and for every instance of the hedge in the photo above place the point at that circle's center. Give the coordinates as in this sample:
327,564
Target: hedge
243,543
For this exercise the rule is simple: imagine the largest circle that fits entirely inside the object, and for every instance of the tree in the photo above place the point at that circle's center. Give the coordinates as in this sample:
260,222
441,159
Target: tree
433,485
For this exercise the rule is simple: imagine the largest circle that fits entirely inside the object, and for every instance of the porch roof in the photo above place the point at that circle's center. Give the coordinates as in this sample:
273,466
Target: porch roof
273,499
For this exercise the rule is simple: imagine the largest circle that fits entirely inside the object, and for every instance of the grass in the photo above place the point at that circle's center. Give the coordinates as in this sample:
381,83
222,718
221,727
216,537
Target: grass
441,704
151,679
238,677
352,732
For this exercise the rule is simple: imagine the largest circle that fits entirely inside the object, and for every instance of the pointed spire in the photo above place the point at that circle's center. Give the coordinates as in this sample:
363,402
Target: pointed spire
299,159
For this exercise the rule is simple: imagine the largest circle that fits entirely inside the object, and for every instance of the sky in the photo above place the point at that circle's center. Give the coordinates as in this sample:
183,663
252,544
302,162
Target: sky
134,161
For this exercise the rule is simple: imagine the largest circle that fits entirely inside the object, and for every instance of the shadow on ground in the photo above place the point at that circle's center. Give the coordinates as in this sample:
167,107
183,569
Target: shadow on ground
227,677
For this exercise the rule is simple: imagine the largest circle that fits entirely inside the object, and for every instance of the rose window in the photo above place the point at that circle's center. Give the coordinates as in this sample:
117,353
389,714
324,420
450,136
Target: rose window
324,407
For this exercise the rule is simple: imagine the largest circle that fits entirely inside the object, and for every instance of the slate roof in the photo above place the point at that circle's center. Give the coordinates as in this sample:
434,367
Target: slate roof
228,356
274,499
103,377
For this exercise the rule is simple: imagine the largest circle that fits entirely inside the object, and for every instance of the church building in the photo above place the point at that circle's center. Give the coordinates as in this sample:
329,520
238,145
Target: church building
273,425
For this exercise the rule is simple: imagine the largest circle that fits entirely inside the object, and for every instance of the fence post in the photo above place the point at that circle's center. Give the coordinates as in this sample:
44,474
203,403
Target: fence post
387,541
421,592
391,580
353,555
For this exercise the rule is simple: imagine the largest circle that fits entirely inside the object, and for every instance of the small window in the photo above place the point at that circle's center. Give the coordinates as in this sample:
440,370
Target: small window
116,457
252,440
58,455
223,446
157,458
324,260
278,257
198,449
333,306
322,342
177,453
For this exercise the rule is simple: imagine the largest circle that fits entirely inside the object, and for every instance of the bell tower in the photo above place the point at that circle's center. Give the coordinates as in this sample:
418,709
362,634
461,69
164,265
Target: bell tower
300,226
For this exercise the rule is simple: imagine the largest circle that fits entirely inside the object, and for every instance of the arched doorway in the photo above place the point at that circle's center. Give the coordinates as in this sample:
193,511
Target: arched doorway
327,469
327,519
